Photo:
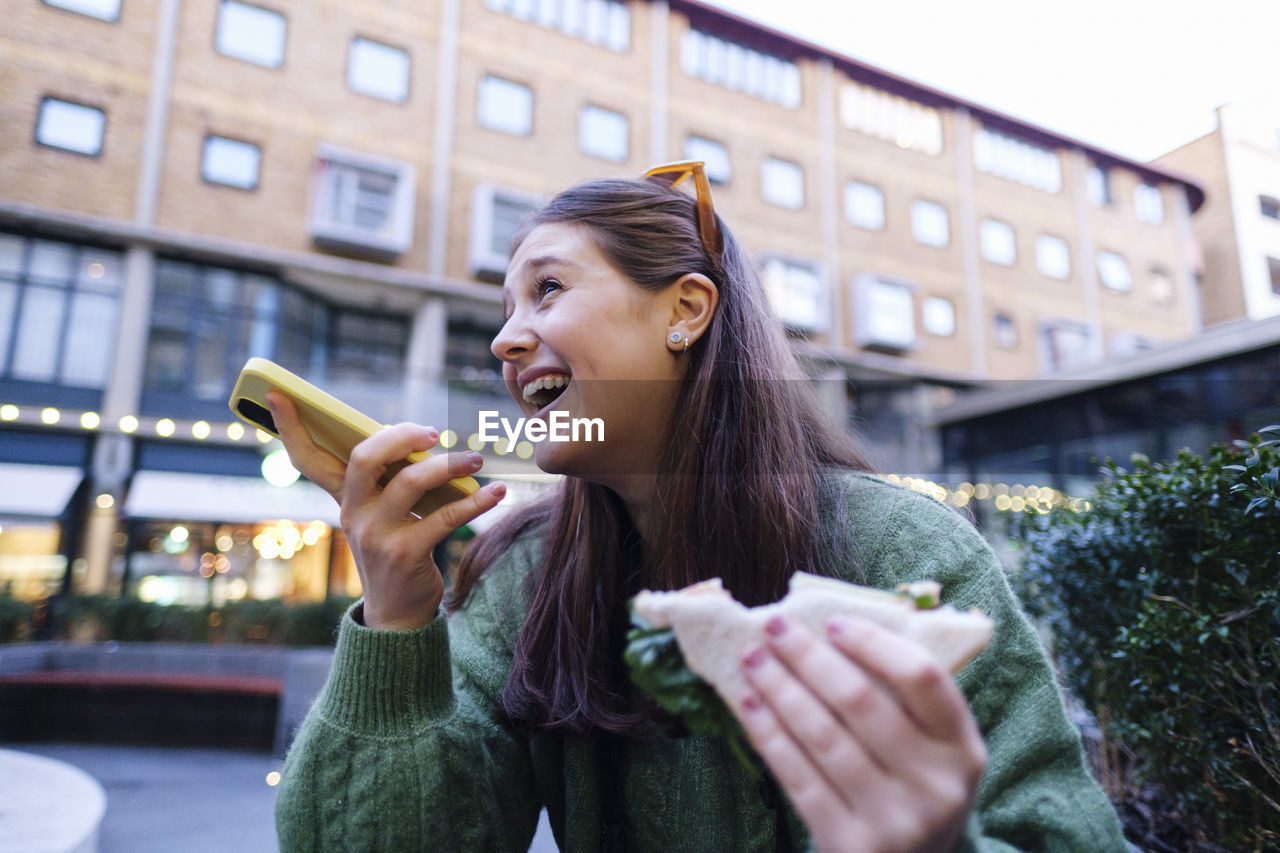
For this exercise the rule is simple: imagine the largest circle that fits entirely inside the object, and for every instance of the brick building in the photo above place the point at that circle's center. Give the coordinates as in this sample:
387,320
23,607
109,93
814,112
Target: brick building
1239,225
185,183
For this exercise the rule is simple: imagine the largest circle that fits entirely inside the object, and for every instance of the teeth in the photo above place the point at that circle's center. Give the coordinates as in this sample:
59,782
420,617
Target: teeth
544,383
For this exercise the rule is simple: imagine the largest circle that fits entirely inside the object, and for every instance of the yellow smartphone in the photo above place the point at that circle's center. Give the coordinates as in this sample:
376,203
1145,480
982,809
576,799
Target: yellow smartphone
333,425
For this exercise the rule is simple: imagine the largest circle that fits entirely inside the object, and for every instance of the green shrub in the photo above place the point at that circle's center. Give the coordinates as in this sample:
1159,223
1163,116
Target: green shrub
97,618
15,618
1163,598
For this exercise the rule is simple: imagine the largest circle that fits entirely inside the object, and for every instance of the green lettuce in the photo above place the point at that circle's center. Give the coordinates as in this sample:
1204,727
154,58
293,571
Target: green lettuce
657,667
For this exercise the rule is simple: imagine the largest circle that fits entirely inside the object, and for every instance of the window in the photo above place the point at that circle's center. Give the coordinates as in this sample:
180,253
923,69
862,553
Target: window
1161,286
892,118
1114,271
1120,344
1016,160
496,215
603,133
864,205
929,223
1053,257
997,243
885,313
1269,207
361,201
603,22
1064,345
505,106
782,183
107,10
712,153
1005,331
58,307
1148,204
938,316
1098,181
206,321
250,33
230,162
1273,270
798,293
378,70
740,68
70,126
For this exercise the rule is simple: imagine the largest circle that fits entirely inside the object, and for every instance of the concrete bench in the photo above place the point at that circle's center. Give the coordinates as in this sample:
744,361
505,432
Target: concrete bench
249,696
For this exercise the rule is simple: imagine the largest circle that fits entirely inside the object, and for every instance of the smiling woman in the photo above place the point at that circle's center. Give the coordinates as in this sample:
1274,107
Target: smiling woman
449,721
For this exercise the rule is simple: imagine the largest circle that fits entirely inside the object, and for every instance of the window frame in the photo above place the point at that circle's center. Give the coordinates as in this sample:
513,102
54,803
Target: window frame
485,120
918,208
1107,259
986,228
244,55
1148,203
45,101
357,40
853,185
396,238
867,333
1044,240
771,165
80,9
204,158
822,304
925,313
484,261
598,152
710,166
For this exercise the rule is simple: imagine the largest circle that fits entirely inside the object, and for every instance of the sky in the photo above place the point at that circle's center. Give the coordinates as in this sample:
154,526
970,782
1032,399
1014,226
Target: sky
1134,77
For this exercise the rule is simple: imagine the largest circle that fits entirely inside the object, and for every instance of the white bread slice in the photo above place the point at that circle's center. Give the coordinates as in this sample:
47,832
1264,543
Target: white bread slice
713,630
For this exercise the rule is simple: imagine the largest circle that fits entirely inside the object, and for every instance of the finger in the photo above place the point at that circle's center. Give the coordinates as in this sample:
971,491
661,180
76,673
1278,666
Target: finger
312,461
370,458
918,680
835,710
410,483
454,514
810,793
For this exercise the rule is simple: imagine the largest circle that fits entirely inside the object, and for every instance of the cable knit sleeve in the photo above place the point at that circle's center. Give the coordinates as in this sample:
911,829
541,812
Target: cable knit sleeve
1036,793
403,749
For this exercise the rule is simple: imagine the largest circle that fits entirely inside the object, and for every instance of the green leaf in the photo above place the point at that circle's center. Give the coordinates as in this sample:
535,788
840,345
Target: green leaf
657,667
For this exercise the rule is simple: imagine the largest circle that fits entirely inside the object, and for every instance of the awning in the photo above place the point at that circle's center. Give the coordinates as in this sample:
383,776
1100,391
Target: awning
213,497
41,491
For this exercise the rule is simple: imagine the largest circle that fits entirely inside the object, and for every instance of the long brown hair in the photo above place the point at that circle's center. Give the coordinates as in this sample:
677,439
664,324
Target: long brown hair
745,476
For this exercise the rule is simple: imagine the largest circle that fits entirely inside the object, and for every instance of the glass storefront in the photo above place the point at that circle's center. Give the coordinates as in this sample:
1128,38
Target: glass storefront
30,566
177,562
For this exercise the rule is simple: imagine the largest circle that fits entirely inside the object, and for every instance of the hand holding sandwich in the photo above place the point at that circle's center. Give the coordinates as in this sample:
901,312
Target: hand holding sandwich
866,732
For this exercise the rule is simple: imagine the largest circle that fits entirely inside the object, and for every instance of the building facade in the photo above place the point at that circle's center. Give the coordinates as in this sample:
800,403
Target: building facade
187,183
1239,225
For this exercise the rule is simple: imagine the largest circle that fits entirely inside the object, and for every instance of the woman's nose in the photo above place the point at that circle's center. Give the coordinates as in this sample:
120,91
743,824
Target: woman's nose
513,340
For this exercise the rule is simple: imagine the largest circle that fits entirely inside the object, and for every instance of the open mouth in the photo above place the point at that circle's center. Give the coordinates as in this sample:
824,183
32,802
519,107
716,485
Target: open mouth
545,390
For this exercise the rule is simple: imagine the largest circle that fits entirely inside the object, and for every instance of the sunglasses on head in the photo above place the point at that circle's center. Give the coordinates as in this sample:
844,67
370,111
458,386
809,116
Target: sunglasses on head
672,174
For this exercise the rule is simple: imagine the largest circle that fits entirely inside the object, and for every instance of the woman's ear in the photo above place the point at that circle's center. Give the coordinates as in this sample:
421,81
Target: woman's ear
694,298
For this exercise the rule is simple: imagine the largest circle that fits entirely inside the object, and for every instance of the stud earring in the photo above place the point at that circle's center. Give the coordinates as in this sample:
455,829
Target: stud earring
675,337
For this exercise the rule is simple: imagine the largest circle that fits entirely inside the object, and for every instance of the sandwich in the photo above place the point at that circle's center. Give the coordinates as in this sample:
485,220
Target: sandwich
684,646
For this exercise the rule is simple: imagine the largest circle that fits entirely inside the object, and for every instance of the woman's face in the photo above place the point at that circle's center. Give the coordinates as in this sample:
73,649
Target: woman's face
583,339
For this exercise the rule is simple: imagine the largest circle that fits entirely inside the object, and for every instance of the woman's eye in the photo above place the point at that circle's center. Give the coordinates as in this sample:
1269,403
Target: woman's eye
548,285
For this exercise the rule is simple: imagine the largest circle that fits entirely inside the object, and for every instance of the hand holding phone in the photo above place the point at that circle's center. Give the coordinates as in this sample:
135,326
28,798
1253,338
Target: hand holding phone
332,424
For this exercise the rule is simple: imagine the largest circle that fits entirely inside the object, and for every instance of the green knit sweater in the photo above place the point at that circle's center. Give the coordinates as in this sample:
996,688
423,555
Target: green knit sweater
401,751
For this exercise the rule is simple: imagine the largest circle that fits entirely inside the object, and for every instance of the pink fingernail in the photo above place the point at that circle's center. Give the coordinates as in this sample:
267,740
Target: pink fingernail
776,626
752,702
754,657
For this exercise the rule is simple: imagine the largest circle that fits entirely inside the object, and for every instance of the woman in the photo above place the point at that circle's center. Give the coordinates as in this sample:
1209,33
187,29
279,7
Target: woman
447,724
